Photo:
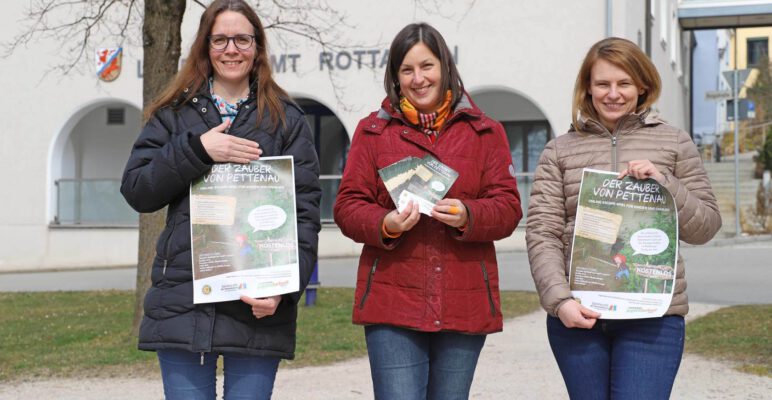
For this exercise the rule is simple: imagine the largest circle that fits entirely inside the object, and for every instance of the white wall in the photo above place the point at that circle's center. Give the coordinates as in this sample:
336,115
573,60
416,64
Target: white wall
38,109
531,47
673,104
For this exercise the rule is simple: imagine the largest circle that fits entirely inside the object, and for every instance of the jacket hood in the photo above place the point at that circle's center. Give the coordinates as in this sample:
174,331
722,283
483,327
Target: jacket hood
627,123
465,105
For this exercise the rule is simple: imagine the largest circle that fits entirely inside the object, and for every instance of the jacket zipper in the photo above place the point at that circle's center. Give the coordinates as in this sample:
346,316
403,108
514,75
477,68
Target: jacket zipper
369,282
238,111
614,139
488,287
168,245
613,152
211,329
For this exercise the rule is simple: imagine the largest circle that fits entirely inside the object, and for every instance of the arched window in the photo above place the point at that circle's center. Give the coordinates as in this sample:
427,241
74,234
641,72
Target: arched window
528,131
332,145
87,162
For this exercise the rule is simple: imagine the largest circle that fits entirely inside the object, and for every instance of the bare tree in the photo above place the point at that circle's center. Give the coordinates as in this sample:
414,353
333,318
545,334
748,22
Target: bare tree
161,46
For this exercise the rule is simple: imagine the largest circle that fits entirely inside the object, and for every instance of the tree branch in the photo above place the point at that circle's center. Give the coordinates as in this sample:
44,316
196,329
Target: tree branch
77,23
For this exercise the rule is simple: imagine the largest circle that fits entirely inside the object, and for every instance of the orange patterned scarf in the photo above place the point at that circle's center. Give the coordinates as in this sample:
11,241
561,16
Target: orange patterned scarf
430,123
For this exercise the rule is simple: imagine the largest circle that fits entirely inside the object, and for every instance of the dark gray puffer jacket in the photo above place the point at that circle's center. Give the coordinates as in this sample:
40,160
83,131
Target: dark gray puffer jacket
167,156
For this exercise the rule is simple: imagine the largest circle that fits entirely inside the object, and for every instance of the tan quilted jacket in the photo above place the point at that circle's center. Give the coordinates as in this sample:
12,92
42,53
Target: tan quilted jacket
555,190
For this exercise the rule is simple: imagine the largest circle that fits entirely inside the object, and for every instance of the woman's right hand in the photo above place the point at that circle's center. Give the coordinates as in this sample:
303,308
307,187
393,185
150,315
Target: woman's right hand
574,315
398,222
228,148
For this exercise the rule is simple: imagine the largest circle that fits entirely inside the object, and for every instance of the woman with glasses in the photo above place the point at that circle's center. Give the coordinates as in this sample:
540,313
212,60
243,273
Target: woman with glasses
223,106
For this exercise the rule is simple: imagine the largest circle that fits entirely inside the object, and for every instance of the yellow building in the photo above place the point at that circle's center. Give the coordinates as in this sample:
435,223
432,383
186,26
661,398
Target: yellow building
752,43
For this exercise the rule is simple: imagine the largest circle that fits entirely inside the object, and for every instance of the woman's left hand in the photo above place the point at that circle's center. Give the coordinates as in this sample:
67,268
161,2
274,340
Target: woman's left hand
451,212
264,306
642,169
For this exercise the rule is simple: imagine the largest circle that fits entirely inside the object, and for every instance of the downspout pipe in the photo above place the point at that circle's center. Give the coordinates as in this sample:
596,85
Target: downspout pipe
647,28
608,18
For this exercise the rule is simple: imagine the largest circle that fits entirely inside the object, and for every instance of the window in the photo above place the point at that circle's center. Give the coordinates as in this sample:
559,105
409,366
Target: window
526,142
757,50
332,145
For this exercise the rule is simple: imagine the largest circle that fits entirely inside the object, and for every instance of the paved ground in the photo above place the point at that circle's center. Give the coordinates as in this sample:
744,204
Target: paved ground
726,274
514,364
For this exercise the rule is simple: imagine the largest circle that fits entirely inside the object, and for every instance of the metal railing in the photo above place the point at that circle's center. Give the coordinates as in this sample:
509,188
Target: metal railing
98,202
715,147
92,202
330,184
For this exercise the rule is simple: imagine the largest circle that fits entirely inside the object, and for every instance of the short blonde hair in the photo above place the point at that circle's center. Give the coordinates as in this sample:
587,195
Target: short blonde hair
625,55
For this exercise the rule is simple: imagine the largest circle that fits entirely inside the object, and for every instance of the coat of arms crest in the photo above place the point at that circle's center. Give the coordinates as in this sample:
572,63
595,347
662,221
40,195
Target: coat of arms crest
108,63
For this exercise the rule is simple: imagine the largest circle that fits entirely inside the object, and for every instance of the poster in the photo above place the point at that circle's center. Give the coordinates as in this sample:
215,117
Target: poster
625,246
243,227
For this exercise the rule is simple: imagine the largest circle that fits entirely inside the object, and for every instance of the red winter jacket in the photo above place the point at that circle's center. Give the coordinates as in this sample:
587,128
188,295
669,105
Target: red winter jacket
433,277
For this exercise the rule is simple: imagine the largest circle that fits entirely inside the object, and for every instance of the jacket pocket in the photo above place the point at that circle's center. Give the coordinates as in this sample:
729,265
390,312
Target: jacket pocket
369,282
166,256
488,288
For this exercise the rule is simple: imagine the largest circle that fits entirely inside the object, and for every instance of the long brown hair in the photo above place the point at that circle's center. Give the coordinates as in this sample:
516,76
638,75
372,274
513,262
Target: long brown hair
197,68
627,56
408,37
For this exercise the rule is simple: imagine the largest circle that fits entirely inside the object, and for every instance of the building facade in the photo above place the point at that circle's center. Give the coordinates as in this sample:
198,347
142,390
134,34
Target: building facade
68,136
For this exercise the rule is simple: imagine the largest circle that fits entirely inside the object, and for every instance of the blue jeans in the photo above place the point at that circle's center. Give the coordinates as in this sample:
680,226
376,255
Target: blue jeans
412,365
246,377
619,359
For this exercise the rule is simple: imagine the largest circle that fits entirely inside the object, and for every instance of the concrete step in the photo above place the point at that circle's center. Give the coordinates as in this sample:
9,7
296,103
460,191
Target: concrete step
722,180
722,186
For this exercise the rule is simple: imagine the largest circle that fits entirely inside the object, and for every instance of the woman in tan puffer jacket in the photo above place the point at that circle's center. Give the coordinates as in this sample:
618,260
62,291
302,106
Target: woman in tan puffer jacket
614,129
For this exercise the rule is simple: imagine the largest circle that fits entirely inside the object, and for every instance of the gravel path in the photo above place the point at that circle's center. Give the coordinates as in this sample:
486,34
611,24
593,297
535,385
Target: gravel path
515,364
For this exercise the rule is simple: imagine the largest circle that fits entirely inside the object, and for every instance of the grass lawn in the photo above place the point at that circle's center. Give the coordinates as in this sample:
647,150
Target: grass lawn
741,334
86,333
67,333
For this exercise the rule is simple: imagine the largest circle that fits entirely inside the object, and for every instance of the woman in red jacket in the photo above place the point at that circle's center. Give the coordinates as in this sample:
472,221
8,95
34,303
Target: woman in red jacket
427,285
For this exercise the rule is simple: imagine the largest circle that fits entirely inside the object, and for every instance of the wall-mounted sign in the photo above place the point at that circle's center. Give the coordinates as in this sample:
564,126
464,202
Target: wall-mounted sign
718,95
342,60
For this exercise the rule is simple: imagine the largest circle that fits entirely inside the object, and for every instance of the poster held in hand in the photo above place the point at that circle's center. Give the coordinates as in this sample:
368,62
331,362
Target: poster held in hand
625,246
243,227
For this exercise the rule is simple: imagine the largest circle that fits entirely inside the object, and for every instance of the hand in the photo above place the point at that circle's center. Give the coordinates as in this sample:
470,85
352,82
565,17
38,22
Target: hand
451,212
398,222
642,169
262,307
229,148
574,315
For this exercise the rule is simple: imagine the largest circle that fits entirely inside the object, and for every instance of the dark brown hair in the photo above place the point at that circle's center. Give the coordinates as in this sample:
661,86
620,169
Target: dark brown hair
408,37
197,68
625,55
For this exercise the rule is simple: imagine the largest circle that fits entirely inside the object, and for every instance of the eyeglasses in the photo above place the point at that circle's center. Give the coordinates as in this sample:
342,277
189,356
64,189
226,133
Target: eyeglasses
220,42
